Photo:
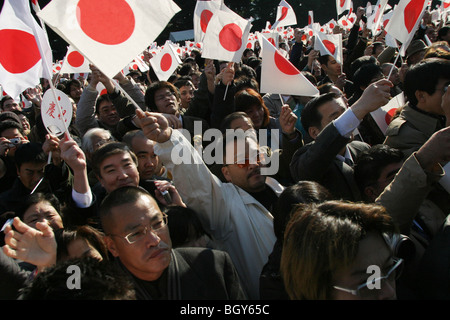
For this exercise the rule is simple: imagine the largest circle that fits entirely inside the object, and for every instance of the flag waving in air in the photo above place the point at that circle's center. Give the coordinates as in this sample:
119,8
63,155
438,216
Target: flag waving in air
21,64
374,21
329,44
112,39
285,15
75,62
405,19
279,75
165,62
226,37
342,6
204,10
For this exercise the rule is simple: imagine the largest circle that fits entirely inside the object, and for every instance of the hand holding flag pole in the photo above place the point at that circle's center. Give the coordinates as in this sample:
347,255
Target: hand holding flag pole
227,77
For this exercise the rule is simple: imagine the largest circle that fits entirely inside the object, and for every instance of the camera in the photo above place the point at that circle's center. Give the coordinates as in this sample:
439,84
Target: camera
15,141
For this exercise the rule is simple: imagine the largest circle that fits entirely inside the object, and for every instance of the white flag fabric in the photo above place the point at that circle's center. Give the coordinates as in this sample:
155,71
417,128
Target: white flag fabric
405,19
21,63
75,62
112,39
279,75
342,6
329,44
383,115
374,21
226,37
285,15
165,62
203,12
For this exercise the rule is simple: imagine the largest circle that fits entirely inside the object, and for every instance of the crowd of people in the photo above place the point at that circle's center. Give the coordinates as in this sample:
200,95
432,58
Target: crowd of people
125,193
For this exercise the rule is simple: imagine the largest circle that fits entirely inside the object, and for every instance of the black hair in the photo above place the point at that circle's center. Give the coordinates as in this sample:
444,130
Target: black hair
155,86
29,152
301,192
424,76
310,116
99,280
184,225
108,150
10,124
370,163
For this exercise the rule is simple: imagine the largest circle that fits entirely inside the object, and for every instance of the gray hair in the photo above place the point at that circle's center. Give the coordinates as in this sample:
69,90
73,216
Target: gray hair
86,141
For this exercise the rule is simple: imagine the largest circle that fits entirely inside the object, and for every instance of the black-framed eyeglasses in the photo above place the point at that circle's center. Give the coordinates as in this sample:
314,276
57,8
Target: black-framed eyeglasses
137,235
363,290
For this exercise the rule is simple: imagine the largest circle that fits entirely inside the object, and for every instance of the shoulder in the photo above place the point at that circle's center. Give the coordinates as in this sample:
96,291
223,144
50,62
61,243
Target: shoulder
203,257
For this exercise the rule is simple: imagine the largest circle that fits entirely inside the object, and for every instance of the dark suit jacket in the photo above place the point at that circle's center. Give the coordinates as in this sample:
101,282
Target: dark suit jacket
197,274
317,161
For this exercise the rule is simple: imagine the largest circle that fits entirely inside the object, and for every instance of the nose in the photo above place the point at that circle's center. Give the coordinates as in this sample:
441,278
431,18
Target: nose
122,175
152,238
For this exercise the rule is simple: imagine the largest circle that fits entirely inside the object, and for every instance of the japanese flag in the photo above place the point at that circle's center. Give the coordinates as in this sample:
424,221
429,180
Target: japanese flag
278,75
272,37
112,39
285,15
23,40
226,37
342,6
405,19
329,44
310,18
35,5
204,10
445,5
374,21
165,62
75,62
383,115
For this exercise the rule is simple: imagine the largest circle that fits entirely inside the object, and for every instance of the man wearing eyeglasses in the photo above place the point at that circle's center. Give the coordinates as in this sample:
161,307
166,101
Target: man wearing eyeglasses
138,237
236,214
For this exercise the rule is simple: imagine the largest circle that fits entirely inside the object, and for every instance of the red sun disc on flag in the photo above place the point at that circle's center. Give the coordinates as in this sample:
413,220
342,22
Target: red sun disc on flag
330,46
17,59
284,12
412,12
205,16
114,26
389,115
166,62
75,59
230,37
284,65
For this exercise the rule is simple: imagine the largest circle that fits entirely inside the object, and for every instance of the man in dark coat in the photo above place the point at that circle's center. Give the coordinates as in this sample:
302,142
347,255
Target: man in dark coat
329,159
138,237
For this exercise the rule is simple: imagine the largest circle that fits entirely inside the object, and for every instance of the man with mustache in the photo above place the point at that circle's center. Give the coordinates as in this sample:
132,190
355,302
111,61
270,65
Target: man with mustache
138,237
237,213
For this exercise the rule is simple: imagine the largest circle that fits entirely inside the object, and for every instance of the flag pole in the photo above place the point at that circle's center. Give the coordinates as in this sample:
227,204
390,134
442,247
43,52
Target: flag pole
49,73
126,95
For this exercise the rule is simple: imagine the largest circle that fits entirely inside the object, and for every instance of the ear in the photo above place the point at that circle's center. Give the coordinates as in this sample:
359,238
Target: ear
313,132
226,173
370,193
420,96
111,246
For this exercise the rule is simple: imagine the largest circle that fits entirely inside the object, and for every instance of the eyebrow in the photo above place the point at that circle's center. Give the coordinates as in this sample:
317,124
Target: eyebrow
123,161
133,226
